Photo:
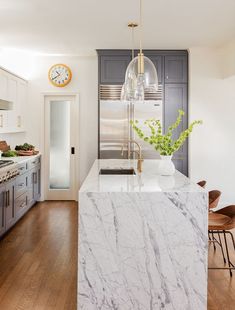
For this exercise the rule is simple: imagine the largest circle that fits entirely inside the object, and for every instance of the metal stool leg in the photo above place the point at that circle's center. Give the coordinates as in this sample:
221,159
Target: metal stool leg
213,238
231,266
226,246
222,249
209,236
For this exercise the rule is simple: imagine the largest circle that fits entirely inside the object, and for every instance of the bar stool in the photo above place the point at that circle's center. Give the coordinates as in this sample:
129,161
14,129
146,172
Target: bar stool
214,197
202,183
221,222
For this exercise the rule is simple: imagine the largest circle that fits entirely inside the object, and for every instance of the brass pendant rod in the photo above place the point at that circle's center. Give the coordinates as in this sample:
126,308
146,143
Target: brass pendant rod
132,25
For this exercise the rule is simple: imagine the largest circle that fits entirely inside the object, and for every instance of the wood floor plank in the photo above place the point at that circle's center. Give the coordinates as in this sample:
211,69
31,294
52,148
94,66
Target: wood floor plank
38,259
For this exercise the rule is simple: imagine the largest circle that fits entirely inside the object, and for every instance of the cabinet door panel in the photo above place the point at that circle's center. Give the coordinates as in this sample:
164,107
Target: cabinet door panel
12,94
175,99
36,183
176,70
10,205
3,85
30,177
21,103
113,69
2,210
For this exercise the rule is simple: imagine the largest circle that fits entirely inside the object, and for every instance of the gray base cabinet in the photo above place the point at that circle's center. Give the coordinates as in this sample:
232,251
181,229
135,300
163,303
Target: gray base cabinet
2,210
19,195
10,205
7,206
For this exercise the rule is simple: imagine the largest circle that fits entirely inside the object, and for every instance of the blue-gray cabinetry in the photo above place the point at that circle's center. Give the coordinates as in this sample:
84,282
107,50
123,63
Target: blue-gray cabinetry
176,69
2,210
7,206
172,68
113,64
18,195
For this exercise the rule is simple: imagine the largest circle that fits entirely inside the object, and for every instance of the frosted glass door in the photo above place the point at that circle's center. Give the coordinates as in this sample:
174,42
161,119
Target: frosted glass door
59,177
61,147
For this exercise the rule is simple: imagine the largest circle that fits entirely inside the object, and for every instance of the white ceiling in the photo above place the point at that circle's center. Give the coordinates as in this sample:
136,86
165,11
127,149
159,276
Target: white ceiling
75,26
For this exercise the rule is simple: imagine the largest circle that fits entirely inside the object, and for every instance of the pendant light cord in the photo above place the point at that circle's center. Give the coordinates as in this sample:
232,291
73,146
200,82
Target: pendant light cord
141,25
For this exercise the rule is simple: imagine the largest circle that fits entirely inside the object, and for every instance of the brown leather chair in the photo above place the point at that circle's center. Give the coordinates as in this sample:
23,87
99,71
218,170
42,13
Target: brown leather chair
202,183
221,222
214,197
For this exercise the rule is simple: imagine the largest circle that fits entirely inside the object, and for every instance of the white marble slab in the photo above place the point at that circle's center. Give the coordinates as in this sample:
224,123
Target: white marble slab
142,241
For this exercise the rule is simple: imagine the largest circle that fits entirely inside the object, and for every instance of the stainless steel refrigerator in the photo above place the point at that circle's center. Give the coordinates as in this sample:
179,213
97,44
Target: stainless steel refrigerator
114,123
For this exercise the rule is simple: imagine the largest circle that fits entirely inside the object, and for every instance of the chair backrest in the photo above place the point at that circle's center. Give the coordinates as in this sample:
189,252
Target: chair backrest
202,183
214,197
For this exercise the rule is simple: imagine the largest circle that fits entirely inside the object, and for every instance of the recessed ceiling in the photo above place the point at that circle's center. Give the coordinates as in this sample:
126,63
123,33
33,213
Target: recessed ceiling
75,26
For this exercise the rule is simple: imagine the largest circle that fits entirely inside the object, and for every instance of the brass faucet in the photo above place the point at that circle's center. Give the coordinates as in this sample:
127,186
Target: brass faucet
139,153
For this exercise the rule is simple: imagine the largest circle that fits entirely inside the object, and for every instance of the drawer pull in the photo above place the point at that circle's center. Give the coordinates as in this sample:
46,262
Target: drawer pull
7,202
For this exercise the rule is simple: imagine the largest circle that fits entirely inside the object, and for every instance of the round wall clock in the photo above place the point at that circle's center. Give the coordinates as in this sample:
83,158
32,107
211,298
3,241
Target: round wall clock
60,75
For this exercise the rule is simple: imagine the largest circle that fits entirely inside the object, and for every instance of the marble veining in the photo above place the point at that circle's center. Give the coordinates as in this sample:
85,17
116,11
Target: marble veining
139,248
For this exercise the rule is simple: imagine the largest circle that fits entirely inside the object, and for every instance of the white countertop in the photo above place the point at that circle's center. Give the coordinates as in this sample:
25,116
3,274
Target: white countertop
148,181
20,159
17,160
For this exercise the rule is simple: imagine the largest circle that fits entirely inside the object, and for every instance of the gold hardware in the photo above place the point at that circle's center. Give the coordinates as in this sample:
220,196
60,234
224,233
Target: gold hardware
133,24
139,152
140,63
139,162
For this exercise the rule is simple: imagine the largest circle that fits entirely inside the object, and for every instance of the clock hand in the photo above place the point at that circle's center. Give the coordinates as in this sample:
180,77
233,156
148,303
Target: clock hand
55,77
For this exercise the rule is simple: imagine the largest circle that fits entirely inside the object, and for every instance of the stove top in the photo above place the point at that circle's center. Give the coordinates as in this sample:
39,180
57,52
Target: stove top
4,163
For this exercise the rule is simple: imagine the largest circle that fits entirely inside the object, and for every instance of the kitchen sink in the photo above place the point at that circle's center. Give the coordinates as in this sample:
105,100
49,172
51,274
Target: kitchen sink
120,171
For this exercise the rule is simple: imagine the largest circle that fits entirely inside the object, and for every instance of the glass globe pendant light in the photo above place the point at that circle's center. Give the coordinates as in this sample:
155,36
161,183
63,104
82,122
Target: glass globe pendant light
141,73
131,91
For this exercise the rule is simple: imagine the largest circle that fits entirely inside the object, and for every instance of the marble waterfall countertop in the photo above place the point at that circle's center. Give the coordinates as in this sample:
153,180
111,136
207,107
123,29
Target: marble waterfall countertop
142,240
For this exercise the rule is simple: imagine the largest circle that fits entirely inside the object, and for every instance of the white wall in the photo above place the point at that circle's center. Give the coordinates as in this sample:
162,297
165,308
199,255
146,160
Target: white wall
212,99
84,81
227,59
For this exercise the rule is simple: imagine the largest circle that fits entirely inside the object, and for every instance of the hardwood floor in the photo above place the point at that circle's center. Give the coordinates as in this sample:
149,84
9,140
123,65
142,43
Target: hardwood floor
221,287
38,263
38,260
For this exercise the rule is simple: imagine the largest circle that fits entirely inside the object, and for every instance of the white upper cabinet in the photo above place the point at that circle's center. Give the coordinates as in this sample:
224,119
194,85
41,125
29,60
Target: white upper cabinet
14,89
3,85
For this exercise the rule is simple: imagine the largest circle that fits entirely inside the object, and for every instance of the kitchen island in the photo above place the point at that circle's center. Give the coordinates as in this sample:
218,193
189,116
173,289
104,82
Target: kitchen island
142,240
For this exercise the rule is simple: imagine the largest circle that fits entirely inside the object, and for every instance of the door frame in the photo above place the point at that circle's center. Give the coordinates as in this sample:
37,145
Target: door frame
45,161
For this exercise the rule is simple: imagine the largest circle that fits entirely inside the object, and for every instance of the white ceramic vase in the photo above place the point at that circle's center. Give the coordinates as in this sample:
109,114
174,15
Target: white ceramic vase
166,166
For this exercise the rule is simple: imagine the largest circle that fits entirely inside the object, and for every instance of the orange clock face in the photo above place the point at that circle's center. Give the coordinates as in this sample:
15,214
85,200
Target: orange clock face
60,75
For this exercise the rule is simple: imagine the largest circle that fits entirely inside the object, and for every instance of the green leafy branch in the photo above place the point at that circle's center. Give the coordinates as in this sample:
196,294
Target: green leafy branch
164,144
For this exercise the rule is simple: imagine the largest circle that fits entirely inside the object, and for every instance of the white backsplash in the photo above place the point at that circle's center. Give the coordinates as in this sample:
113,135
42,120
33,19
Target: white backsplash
13,139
